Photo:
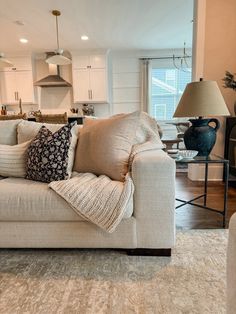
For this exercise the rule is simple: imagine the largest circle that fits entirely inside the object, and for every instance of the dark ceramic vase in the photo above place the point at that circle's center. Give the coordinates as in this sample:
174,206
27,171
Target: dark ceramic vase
201,136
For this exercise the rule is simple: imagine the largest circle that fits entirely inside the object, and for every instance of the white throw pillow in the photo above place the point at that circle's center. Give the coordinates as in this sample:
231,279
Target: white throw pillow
8,132
27,130
73,144
13,160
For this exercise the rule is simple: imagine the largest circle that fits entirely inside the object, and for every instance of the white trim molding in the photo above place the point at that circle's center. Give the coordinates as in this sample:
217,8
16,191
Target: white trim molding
199,21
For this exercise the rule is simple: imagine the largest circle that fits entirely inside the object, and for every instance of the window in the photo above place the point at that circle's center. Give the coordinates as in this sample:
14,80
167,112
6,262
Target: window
168,85
160,110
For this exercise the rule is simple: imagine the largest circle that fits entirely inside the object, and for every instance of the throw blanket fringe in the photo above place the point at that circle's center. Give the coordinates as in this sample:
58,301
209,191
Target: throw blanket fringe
97,199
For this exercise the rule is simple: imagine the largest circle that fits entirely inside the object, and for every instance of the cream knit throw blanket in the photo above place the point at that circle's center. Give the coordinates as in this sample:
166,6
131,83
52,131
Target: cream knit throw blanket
98,199
101,200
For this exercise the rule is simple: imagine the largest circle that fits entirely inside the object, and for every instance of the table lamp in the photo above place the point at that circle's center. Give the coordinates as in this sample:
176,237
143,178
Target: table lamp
201,99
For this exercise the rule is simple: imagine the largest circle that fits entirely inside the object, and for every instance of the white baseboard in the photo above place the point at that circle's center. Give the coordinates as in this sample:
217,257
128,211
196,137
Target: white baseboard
196,172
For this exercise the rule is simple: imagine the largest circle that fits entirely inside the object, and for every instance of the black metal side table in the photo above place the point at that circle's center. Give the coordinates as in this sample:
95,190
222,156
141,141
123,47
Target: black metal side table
212,159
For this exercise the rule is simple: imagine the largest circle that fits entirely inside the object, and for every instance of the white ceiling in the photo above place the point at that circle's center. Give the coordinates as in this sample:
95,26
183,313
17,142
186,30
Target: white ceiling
115,24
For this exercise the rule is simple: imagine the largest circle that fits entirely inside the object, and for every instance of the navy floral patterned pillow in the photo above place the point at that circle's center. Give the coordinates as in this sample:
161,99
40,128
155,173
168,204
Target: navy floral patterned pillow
48,155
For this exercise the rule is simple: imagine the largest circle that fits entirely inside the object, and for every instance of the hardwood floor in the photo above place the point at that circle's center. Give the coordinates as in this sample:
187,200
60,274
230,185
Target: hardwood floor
192,217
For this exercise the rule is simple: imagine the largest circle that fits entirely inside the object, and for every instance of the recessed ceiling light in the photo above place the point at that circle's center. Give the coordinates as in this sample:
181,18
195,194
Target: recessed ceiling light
23,40
84,37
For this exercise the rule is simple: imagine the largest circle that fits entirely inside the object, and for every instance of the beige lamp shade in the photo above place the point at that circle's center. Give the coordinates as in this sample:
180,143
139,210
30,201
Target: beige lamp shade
201,99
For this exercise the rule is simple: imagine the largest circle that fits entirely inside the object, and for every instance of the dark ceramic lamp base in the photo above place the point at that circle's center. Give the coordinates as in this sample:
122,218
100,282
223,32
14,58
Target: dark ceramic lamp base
201,136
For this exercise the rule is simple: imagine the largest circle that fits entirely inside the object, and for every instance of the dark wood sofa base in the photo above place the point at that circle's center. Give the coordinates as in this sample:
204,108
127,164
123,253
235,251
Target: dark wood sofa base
149,252
131,252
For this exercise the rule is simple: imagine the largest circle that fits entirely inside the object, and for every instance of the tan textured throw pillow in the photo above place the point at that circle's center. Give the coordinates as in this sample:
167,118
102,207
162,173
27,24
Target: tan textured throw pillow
104,145
13,160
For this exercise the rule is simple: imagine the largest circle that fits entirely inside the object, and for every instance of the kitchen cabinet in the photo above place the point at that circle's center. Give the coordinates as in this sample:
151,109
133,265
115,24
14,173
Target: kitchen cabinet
90,62
90,83
16,83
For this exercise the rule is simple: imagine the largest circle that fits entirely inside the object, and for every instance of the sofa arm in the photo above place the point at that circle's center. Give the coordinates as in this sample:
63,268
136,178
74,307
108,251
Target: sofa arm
153,174
231,267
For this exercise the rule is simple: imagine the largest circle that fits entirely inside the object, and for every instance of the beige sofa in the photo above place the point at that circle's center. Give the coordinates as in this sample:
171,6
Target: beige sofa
231,267
34,216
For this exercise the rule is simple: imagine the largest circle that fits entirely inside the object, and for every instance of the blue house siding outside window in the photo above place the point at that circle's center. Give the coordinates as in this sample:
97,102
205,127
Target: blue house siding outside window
167,88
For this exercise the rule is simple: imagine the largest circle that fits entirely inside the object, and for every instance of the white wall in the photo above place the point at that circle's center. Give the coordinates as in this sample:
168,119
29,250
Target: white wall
125,82
215,39
220,52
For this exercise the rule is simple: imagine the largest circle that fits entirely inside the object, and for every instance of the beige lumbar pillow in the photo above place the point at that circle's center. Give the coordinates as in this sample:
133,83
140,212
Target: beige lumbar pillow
13,160
105,145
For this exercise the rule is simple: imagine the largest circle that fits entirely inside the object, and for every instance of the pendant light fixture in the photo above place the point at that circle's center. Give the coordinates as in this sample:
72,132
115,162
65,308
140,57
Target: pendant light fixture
4,63
58,58
182,61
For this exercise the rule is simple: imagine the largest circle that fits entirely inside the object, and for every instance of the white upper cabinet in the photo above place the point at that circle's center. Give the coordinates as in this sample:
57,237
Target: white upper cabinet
90,82
90,62
17,82
98,84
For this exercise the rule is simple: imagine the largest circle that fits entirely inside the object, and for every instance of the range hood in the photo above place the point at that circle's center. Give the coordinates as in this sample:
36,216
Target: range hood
53,79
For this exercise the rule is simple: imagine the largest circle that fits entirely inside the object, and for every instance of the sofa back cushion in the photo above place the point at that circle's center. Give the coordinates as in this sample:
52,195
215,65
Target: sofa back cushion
27,130
13,160
104,145
8,132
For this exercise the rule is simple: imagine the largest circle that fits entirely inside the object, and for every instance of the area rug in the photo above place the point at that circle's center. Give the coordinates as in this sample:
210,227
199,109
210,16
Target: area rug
107,281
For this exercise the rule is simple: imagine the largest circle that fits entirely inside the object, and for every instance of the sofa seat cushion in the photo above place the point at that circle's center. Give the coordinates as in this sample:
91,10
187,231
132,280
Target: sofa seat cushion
26,200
